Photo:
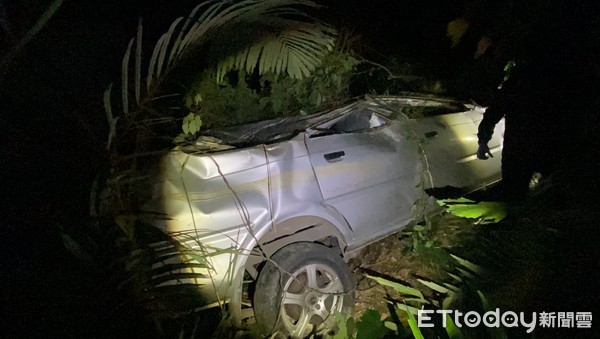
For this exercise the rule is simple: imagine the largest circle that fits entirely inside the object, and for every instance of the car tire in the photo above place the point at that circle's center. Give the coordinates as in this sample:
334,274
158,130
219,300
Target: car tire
299,290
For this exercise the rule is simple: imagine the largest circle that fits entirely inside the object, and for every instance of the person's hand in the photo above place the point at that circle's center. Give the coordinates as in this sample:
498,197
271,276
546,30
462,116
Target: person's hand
483,152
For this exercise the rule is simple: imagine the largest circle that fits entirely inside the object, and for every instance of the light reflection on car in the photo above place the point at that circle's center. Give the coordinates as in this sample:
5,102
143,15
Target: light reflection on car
285,202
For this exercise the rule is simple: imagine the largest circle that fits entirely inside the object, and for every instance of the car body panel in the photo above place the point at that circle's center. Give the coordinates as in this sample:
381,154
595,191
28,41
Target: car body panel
351,174
213,200
375,171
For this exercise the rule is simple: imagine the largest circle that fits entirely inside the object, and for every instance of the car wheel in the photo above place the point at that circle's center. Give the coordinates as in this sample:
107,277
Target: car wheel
300,288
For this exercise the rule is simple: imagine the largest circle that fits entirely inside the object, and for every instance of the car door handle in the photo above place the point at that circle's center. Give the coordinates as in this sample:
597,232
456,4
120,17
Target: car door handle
335,156
431,134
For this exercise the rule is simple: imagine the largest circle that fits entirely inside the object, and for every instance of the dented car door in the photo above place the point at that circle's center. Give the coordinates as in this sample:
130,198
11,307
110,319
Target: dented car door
367,172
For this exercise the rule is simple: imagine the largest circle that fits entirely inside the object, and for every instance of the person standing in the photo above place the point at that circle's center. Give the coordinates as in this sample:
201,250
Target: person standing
524,103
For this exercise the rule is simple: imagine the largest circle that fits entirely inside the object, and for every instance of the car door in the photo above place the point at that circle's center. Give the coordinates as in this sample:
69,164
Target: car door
366,171
450,136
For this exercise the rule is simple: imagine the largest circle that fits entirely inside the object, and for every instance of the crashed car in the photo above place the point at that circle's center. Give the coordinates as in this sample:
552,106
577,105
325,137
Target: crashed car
282,204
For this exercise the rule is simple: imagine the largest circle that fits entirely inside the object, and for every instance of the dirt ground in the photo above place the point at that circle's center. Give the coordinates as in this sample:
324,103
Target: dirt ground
383,258
390,258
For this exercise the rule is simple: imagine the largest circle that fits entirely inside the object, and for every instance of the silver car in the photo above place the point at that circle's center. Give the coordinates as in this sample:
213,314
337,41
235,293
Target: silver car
280,205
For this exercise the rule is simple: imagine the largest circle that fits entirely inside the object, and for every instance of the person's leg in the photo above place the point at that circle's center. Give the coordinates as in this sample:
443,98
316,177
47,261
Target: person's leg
518,165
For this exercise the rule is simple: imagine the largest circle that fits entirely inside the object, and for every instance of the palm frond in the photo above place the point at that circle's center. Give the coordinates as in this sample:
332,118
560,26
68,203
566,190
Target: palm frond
294,46
125,78
33,31
296,50
154,61
138,63
112,122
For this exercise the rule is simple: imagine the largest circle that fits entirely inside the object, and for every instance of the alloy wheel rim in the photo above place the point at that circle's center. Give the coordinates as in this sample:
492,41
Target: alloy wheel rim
310,297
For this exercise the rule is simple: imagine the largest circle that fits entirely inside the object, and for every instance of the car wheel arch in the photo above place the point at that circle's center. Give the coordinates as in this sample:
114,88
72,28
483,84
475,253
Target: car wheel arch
293,230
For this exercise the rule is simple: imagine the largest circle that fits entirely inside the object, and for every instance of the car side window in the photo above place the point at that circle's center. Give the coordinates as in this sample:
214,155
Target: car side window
356,121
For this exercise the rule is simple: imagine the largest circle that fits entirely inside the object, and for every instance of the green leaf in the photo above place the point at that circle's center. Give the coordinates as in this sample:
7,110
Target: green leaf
455,277
419,300
462,200
349,63
452,330
465,208
408,309
342,323
35,29
452,287
509,65
191,124
195,124
434,286
466,273
391,325
370,326
398,287
414,326
471,266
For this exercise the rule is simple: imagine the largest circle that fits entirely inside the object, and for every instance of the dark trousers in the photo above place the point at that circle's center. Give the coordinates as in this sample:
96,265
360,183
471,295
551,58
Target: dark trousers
522,155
